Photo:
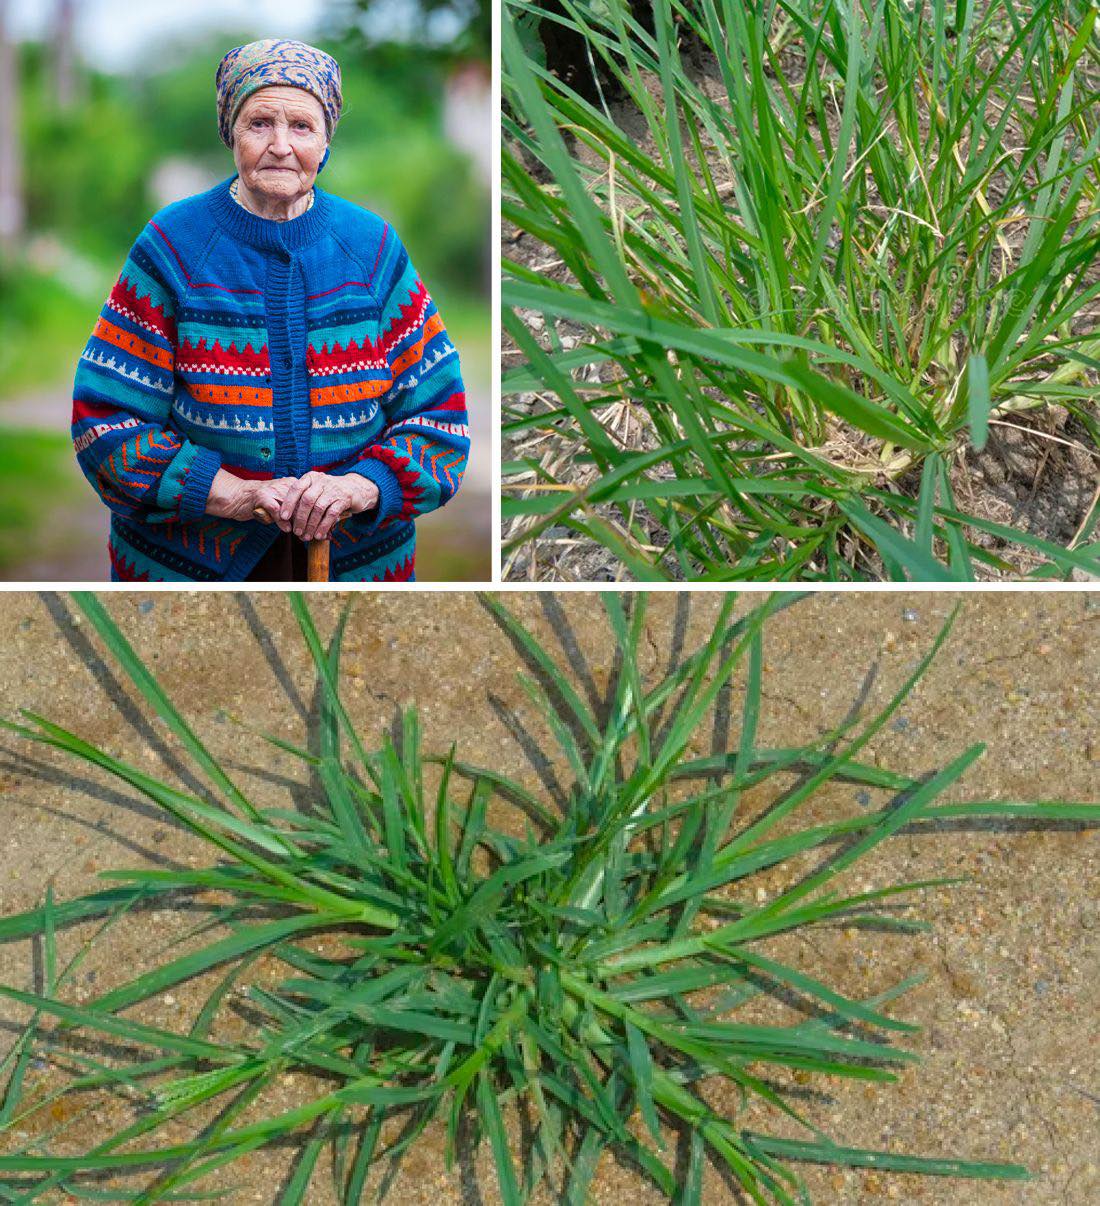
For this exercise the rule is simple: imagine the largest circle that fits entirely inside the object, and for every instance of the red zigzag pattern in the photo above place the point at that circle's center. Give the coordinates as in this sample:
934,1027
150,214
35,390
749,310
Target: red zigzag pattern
408,479
124,300
411,317
126,570
198,358
401,572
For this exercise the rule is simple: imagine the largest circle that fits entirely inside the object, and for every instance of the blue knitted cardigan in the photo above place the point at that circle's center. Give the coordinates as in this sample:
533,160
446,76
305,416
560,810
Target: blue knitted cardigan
267,349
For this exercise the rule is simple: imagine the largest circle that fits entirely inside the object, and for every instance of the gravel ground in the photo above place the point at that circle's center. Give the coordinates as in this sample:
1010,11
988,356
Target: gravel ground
1009,1011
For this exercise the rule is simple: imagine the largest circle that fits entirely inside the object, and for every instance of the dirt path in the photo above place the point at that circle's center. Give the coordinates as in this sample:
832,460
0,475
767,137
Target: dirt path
43,409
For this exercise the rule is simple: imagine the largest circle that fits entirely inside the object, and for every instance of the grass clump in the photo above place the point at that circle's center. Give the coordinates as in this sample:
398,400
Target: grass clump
585,962
813,249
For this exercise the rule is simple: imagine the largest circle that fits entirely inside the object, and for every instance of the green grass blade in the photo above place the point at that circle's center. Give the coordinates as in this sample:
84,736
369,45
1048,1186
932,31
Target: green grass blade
978,400
143,679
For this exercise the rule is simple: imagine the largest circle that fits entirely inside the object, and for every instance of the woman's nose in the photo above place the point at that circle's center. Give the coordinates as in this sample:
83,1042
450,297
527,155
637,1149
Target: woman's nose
280,139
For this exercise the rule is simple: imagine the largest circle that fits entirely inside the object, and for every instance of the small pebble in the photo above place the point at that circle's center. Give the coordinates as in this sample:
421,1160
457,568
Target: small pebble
1042,986
864,798
146,606
910,616
900,725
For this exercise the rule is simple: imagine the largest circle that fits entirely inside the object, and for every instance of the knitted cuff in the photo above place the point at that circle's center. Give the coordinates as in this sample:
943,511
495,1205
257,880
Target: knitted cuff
390,500
196,487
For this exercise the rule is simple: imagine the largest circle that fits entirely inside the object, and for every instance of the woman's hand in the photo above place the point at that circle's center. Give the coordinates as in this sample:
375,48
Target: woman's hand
316,502
233,497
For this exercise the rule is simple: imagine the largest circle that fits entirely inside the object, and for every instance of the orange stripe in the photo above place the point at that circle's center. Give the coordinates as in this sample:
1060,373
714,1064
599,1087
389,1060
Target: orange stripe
229,395
330,395
431,328
109,333
133,468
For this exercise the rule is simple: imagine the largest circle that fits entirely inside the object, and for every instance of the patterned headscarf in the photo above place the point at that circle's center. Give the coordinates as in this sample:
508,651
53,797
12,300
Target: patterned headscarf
247,69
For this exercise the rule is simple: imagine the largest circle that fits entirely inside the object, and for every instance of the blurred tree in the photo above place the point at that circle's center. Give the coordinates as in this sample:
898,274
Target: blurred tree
11,190
64,55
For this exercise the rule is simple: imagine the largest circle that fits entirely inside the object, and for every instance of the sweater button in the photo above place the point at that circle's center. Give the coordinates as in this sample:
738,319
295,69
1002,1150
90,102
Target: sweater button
288,360
265,453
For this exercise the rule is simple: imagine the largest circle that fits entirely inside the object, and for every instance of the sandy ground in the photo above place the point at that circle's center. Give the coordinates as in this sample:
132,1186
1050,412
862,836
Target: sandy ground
1009,1012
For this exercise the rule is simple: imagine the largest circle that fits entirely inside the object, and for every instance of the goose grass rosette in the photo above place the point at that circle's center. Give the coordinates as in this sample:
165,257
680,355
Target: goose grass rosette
587,961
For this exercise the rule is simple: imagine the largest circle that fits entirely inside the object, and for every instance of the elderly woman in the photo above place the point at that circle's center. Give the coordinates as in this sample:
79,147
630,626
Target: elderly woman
269,353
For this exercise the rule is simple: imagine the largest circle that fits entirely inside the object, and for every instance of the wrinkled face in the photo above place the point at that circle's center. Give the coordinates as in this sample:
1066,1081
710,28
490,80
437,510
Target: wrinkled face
279,139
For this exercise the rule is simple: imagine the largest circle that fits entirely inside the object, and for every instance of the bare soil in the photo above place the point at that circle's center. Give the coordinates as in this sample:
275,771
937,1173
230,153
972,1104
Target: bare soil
1009,1011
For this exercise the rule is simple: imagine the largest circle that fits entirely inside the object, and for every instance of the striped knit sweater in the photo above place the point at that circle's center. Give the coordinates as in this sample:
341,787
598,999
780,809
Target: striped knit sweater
267,349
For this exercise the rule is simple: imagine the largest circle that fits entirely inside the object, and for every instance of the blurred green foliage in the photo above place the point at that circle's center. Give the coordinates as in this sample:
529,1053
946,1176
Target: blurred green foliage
38,317
85,171
36,482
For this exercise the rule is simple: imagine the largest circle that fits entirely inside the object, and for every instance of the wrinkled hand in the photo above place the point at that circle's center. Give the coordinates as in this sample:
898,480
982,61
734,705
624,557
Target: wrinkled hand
316,502
233,497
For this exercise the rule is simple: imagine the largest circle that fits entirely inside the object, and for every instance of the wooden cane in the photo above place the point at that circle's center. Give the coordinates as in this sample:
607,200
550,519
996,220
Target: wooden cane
317,551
